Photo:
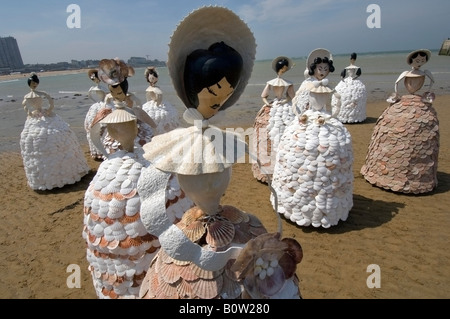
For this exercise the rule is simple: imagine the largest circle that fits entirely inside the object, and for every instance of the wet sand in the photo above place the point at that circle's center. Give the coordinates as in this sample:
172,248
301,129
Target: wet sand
405,235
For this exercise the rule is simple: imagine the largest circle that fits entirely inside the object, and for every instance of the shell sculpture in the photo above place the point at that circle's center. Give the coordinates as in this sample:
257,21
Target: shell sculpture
162,112
51,153
300,102
198,252
272,118
114,73
313,176
97,94
119,248
404,148
353,95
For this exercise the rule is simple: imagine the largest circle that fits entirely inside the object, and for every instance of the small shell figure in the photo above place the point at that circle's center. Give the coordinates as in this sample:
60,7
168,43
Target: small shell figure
115,73
313,175
162,112
404,147
272,118
51,153
353,94
215,50
97,94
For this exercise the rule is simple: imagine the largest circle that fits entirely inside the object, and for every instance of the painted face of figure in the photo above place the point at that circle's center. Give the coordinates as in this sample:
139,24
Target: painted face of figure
419,61
283,70
152,79
117,93
95,79
33,85
213,97
321,71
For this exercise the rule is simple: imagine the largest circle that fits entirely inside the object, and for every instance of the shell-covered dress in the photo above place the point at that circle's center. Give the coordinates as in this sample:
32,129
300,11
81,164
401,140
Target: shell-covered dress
269,125
119,248
199,255
300,102
163,113
313,177
97,94
204,255
51,153
353,96
404,147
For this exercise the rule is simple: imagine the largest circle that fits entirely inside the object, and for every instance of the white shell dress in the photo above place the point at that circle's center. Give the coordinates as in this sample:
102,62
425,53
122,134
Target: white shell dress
313,176
353,99
163,113
51,153
97,94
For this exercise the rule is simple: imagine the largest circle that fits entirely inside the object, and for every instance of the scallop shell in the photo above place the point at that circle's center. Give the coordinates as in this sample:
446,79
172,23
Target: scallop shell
166,290
220,233
170,273
233,214
192,215
185,290
187,273
204,274
194,231
208,289
121,115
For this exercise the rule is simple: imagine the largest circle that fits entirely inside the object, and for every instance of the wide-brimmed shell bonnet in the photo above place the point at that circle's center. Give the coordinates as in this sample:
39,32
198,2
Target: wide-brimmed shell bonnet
199,30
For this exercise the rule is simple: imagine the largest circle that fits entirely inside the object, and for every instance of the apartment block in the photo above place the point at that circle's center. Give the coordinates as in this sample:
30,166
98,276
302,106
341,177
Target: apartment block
10,54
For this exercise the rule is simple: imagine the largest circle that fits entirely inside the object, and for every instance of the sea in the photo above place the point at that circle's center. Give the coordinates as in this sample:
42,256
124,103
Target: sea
380,70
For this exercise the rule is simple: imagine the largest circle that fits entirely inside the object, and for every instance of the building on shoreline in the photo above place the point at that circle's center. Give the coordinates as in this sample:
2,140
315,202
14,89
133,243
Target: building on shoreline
445,47
10,57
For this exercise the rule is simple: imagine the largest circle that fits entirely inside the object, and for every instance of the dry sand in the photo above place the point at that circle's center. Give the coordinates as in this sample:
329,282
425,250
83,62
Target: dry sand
405,235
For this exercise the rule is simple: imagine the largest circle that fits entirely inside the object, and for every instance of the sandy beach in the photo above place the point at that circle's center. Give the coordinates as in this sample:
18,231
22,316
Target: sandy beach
405,235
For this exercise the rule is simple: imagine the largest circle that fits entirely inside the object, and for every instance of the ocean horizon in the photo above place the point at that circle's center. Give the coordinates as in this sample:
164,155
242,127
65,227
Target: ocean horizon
380,70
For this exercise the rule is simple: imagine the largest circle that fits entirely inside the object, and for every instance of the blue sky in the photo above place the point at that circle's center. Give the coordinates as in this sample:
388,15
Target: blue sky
293,28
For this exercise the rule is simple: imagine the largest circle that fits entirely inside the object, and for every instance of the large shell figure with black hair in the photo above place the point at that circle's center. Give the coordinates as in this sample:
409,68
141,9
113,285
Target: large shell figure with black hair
197,253
119,248
51,153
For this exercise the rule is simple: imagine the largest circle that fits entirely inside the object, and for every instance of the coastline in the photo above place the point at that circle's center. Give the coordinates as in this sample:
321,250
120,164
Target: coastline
41,74
405,235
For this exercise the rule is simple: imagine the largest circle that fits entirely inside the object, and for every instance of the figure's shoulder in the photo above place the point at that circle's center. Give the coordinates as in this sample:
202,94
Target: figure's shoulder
279,82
